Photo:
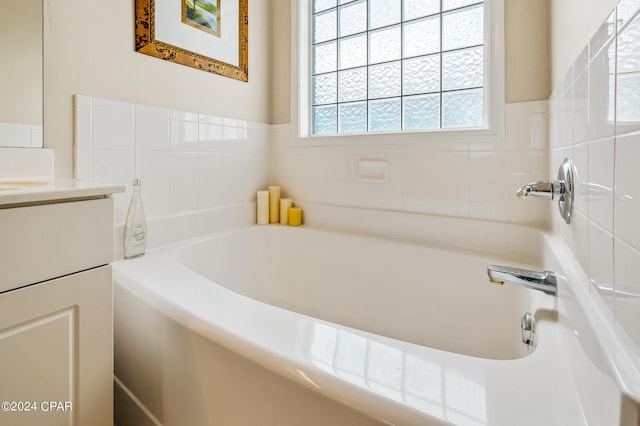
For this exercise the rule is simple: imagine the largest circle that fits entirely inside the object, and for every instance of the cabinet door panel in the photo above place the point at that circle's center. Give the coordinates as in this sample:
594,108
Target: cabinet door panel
56,352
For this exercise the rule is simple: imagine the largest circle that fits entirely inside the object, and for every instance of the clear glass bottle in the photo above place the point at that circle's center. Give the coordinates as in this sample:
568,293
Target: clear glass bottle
135,227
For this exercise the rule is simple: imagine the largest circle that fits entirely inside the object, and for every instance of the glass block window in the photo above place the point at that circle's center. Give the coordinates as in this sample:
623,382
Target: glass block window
396,65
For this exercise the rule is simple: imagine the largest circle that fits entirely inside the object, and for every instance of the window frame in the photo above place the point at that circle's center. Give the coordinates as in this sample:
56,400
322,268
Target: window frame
301,89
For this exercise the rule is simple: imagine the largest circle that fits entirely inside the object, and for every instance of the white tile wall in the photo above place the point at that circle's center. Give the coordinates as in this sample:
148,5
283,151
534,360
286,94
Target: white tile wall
595,119
20,135
186,161
476,180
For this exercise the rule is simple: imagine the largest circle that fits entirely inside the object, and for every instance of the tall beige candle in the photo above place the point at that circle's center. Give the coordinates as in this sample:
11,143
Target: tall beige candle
285,203
274,204
262,207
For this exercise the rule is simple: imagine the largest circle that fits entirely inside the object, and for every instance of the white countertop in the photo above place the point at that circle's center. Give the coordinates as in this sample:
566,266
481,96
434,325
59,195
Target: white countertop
33,190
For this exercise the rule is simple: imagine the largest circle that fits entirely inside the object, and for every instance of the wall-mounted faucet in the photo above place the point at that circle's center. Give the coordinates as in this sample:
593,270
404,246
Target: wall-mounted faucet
544,281
561,189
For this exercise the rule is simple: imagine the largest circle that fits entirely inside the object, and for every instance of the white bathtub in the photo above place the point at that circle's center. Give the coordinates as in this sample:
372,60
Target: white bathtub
358,330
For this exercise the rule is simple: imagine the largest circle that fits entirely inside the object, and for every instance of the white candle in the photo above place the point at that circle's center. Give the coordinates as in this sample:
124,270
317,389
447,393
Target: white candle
285,203
274,204
263,207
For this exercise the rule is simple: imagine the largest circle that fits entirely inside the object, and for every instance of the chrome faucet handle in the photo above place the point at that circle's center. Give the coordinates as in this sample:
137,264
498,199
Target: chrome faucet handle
547,189
561,190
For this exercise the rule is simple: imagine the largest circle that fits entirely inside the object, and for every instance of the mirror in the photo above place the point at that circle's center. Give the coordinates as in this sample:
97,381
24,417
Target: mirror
21,74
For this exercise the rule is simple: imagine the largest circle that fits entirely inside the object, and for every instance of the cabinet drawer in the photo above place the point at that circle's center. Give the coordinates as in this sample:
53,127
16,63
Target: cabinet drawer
46,241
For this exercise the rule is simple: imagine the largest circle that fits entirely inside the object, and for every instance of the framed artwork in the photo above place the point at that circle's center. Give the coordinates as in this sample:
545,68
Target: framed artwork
210,35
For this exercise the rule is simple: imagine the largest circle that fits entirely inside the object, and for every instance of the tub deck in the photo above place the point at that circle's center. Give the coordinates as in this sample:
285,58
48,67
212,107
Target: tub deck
397,378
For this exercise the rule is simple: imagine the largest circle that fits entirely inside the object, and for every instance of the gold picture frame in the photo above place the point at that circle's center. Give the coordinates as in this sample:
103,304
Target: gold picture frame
147,43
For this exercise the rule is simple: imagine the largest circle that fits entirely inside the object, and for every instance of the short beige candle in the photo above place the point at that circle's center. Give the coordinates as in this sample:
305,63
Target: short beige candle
285,203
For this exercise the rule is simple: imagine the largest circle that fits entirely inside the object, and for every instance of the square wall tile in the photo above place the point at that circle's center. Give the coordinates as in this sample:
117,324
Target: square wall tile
581,162
257,138
210,167
257,165
151,128
581,107
417,169
233,167
627,286
580,228
388,196
450,193
121,202
361,194
337,192
337,165
315,190
314,165
489,187
528,131
210,194
555,119
183,136
602,84
183,167
600,185
603,35
82,121
153,167
568,114
155,198
627,190
210,138
628,79
111,166
183,197
601,263
581,62
295,163
83,164
112,130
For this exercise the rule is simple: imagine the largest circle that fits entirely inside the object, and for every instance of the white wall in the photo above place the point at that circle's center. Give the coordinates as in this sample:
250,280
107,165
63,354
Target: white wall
89,48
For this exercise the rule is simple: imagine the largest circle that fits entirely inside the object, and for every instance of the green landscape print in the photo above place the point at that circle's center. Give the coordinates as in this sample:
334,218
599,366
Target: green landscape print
202,14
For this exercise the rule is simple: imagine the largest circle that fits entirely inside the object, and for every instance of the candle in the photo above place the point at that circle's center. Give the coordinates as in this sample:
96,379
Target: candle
263,207
295,216
285,203
274,204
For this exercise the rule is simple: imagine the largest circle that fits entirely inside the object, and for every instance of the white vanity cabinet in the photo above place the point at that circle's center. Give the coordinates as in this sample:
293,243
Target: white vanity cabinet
56,335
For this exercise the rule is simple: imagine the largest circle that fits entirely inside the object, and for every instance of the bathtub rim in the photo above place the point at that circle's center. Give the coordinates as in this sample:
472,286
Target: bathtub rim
280,360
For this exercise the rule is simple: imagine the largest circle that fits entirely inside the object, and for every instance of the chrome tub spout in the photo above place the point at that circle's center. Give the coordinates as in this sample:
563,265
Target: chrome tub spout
544,281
